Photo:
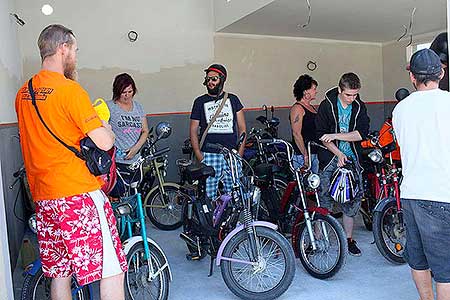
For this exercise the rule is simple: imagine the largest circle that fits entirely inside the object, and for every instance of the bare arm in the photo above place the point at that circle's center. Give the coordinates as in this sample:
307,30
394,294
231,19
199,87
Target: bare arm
242,127
193,134
297,113
141,141
353,136
103,137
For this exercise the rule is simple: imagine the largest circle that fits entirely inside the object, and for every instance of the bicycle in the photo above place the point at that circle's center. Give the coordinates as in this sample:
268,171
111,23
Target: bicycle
248,253
161,202
148,274
35,285
318,239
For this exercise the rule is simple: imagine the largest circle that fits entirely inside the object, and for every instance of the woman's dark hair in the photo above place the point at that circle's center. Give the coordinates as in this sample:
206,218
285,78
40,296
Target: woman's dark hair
303,83
121,82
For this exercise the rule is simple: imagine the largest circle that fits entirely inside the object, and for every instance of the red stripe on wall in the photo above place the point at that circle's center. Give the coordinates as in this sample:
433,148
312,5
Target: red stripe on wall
257,109
245,109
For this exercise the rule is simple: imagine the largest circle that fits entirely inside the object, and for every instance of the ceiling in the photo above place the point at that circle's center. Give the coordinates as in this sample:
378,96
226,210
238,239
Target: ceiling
352,20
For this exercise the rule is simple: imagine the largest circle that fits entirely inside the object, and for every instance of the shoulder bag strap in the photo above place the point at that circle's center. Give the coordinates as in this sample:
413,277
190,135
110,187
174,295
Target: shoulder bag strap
202,140
33,100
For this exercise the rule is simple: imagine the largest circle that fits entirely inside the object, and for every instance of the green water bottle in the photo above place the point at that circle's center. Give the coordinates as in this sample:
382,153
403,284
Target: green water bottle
27,253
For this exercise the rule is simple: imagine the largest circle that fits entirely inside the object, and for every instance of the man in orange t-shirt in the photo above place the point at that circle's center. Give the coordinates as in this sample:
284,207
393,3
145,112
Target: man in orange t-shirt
76,226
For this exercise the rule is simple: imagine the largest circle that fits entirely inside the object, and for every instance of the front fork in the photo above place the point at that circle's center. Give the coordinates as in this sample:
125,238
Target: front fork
147,254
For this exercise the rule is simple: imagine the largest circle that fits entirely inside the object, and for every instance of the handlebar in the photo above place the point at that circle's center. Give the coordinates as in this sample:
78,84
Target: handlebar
151,156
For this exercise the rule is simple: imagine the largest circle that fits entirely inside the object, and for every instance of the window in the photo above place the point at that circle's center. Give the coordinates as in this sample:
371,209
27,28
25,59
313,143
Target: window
410,50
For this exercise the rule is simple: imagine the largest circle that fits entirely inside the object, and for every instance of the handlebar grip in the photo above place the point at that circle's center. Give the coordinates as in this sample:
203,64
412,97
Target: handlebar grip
218,147
161,152
266,141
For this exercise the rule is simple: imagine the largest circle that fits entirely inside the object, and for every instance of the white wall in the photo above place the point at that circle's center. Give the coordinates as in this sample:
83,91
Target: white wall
226,13
395,61
175,44
262,69
10,77
10,62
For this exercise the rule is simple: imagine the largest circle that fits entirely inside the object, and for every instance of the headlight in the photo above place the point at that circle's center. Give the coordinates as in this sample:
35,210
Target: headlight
313,181
32,223
375,155
124,209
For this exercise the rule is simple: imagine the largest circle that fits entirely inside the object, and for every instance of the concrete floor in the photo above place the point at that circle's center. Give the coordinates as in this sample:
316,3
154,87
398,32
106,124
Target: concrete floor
369,277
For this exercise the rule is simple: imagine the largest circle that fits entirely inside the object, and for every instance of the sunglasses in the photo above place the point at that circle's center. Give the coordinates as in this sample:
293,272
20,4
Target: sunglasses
212,78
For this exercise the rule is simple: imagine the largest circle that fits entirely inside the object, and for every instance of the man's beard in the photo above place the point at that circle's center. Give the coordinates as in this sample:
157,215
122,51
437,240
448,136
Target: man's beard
214,91
70,71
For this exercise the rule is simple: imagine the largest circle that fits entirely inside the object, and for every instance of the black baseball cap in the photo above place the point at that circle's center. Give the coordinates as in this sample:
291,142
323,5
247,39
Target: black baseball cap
425,62
217,68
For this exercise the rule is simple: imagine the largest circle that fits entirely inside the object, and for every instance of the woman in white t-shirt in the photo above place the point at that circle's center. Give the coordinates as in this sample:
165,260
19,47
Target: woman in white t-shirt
128,119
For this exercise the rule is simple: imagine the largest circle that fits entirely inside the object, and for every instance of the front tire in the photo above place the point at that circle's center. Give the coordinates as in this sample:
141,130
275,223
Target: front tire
165,216
331,253
389,234
274,249
37,287
137,287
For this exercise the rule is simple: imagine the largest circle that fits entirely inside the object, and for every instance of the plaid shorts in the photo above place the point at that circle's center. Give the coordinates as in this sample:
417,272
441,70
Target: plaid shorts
74,238
223,173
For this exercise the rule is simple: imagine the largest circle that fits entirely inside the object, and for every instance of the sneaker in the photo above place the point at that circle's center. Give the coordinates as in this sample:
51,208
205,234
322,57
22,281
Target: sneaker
352,248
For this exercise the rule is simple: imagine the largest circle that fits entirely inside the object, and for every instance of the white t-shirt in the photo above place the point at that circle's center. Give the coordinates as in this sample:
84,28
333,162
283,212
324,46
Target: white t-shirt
422,126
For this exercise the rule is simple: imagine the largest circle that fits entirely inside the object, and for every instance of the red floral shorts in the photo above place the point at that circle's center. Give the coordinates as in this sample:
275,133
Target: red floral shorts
71,240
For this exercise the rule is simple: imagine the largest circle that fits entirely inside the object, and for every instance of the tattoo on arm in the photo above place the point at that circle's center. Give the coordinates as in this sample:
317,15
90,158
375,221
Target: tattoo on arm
297,118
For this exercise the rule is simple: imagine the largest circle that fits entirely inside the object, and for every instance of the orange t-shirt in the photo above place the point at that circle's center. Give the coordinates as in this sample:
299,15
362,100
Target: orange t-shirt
53,171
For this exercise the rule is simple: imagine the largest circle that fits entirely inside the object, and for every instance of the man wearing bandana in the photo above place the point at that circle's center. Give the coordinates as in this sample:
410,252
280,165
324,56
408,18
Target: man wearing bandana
225,130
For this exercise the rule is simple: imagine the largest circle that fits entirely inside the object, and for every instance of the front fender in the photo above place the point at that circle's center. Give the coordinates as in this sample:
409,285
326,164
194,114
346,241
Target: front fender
236,231
129,243
383,203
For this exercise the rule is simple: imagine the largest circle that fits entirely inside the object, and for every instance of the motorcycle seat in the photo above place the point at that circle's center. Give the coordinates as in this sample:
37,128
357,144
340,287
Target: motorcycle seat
199,172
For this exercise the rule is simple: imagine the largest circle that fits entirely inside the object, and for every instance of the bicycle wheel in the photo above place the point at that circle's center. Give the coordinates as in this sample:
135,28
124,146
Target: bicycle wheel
37,287
137,285
389,234
331,243
270,277
165,216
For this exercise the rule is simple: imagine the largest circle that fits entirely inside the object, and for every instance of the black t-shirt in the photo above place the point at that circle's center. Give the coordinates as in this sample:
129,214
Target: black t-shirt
224,131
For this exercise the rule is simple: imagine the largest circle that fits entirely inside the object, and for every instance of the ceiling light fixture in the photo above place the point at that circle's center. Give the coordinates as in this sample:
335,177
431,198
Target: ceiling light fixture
47,9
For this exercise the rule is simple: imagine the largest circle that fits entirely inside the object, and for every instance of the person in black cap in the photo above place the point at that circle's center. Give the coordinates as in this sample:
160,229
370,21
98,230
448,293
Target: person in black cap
440,47
421,124
228,122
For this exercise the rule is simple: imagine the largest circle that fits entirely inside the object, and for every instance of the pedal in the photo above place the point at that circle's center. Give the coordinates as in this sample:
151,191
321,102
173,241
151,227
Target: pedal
193,256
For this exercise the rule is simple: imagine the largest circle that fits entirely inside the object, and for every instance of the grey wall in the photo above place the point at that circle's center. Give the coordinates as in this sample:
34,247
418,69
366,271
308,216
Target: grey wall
11,159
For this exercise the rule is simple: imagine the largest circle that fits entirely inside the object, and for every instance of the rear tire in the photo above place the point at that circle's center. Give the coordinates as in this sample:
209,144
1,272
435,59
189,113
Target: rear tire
37,287
168,217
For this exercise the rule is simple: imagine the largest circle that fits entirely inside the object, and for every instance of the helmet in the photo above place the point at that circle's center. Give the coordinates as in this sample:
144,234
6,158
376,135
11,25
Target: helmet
440,46
163,130
219,69
343,187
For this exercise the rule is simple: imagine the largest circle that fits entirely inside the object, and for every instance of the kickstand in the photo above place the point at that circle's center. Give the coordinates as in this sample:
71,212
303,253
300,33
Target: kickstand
211,267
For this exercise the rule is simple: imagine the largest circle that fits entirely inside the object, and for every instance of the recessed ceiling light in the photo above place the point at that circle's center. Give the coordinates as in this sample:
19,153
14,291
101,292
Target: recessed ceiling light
47,9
